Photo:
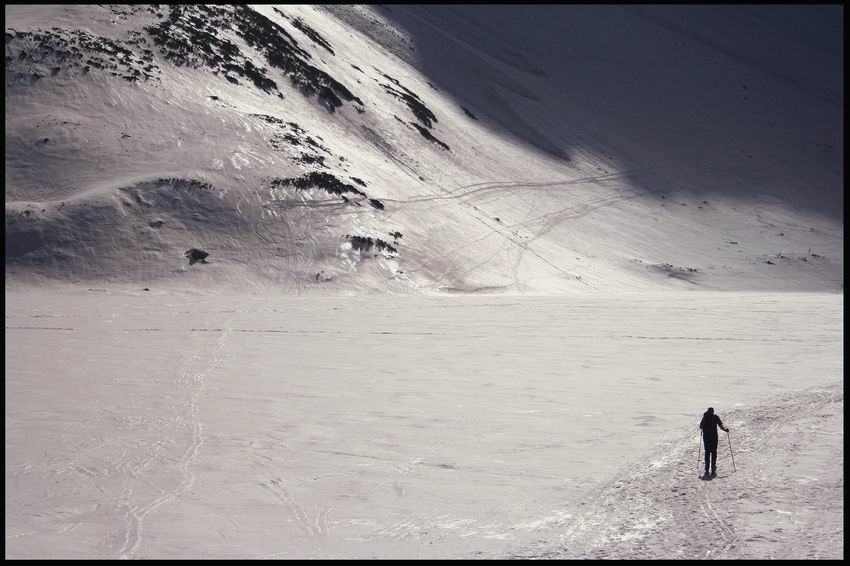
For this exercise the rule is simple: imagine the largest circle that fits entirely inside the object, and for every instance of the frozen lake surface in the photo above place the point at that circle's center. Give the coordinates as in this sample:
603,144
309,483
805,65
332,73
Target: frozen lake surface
147,425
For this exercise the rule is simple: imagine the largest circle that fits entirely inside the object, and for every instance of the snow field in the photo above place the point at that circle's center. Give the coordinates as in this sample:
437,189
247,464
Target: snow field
161,425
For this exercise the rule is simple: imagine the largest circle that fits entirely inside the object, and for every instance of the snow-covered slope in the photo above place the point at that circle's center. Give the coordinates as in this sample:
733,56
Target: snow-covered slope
351,149
781,497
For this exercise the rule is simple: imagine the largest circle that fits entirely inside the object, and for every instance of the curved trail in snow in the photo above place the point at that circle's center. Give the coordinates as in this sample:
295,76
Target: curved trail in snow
784,499
193,378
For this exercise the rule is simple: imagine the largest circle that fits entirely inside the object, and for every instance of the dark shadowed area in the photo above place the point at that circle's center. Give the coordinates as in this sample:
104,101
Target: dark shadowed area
734,99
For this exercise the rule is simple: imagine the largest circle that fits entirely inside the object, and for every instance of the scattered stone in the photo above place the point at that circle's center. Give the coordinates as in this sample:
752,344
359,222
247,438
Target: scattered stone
196,255
429,136
321,180
312,34
196,35
365,244
70,47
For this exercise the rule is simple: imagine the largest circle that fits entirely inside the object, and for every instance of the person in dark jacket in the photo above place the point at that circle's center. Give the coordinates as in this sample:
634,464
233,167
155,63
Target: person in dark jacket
709,424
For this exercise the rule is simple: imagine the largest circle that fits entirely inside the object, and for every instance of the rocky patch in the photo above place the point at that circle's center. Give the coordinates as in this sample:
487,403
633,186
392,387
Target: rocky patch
290,138
197,36
365,244
675,271
75,52
422,113
319,180
185,184
411,99
196,255
429,136
312,34
330,184
125,11
787,257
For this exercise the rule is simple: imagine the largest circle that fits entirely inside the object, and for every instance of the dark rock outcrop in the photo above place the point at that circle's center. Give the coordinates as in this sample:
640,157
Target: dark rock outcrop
195,255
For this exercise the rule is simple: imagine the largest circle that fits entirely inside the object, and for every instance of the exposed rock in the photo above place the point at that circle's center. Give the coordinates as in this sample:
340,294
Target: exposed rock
196,255
195,35
365,244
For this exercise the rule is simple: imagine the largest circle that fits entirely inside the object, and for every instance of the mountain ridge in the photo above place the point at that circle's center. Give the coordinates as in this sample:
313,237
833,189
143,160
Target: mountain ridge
137,133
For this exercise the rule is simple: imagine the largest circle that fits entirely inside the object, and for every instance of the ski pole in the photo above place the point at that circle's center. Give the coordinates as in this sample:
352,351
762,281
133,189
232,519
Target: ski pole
730,451
699,445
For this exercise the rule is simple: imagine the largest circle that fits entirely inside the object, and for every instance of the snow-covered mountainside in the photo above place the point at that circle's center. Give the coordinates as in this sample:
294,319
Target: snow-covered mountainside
441,149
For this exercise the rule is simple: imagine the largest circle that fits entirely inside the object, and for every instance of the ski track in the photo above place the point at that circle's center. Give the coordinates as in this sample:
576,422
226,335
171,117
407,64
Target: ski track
188,419
506,189
312,523
660,509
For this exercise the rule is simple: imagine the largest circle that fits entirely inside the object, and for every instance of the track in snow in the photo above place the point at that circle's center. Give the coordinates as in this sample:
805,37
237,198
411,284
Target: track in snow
785,499
192,372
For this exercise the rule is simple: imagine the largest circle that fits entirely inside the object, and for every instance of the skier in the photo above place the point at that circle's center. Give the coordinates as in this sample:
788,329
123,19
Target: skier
709,424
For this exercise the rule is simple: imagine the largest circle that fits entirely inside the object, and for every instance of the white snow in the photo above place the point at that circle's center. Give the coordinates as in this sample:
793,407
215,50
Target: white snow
680,172
640,215
163,425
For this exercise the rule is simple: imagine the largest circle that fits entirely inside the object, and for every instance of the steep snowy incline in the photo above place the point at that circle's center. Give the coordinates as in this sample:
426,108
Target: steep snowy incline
355,149
757,88
781,498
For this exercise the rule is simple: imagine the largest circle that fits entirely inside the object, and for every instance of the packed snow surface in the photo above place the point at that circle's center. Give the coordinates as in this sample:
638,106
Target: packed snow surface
174,425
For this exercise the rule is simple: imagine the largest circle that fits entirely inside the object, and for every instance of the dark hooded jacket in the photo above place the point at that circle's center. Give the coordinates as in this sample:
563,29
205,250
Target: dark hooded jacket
709,425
